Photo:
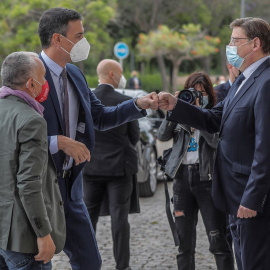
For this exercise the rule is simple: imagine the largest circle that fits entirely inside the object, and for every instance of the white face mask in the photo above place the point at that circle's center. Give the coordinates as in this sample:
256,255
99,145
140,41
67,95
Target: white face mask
79,51
122,82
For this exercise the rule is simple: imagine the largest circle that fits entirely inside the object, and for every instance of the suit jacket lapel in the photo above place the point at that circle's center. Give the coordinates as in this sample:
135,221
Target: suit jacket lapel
243,90
53,95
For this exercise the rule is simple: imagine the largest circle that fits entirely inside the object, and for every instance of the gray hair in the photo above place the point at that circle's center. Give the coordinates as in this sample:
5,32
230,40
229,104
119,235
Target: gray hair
17,68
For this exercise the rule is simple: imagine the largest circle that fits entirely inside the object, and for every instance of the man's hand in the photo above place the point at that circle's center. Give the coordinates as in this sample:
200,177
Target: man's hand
78,151
148,101
244,212
166,101
46,249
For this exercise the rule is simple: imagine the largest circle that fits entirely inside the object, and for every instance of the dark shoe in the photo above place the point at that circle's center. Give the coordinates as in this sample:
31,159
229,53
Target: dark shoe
128,268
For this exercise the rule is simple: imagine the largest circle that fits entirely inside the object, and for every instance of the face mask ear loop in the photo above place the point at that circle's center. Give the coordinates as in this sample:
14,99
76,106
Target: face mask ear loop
67,39
64,50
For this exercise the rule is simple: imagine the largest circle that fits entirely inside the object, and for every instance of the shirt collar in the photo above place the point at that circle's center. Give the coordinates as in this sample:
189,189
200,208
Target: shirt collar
54,67
106,84
249,70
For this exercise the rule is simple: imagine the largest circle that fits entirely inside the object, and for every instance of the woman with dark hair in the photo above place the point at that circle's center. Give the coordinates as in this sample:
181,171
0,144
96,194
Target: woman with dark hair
190,165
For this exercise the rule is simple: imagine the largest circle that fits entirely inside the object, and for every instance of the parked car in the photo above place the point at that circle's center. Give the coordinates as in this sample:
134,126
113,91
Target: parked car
148,147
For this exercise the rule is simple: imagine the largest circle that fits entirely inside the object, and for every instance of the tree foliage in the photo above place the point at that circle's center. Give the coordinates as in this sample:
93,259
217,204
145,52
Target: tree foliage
109,21
19,23
188,44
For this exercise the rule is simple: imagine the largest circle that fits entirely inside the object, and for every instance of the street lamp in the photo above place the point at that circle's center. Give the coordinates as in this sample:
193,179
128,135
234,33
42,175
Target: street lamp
243,9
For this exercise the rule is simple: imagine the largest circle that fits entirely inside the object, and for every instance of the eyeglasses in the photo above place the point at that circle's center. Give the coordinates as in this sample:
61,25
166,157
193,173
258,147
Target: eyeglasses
234,40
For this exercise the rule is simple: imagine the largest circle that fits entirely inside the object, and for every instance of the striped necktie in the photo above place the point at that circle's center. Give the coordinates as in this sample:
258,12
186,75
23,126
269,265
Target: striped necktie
66,108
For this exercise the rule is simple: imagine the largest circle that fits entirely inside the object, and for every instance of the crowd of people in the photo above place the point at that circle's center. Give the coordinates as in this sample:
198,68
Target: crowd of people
51,120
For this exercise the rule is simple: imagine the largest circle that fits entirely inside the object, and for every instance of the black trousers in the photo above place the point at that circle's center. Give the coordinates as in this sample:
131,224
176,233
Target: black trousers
189,196
251,238
119,191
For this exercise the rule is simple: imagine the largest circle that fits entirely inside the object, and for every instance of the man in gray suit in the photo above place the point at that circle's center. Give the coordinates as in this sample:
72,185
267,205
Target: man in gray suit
32,226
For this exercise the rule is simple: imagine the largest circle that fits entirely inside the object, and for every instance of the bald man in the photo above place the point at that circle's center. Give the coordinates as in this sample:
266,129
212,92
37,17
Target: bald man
113,164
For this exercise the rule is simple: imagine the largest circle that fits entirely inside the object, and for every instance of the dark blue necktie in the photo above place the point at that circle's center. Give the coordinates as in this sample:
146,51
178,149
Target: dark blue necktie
235,87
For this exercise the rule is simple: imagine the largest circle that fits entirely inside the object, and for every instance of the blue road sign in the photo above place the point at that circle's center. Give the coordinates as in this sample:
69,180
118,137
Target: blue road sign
121,50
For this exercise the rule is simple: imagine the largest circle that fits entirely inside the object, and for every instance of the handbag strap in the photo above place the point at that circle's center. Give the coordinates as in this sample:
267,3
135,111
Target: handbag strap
169,212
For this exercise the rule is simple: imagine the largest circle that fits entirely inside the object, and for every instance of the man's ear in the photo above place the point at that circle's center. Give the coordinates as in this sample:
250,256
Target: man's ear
29,85
56,39
257,44
111,75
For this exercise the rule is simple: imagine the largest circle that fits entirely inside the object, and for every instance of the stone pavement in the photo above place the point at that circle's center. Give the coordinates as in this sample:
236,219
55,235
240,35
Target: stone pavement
151,243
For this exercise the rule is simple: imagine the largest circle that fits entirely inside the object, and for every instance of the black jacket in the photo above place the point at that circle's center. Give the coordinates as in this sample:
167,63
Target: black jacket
114,152
131,83
181,137
222,90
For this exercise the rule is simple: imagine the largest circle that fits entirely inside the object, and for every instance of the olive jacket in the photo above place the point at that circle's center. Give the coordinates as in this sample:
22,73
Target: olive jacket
30,200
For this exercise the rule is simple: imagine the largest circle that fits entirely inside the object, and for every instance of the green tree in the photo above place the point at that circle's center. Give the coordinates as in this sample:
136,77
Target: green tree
142,16
19,24
189,44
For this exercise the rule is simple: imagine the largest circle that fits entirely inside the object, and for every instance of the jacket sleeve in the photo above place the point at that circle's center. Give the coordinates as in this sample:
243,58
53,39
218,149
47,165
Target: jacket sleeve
33,158
166,130
133,131
105,118
193,116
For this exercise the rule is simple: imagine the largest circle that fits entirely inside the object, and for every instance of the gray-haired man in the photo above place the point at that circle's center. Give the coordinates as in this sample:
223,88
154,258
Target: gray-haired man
32,216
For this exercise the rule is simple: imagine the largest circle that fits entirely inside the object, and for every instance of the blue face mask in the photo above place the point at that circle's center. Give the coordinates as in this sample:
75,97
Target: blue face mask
232,56
205,101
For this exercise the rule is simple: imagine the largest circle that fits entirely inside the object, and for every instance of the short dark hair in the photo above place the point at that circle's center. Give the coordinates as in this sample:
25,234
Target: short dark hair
255,27
55,20
203,79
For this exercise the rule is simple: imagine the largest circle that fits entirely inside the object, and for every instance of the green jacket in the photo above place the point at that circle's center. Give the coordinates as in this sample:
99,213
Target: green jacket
30,200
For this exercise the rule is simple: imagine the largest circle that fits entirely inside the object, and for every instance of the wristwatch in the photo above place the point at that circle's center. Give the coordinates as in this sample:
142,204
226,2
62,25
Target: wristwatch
135,101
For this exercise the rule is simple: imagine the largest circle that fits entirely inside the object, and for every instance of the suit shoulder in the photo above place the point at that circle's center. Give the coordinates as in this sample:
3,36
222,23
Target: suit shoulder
72,67
74,71
122,96
101,90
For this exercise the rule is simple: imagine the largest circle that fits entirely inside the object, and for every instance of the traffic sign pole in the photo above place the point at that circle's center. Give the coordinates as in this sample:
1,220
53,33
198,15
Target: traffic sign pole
121,51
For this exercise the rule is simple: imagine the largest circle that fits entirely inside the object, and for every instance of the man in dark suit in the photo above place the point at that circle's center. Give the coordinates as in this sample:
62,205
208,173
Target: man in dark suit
223,88
242,173
72,112
112,166
134,82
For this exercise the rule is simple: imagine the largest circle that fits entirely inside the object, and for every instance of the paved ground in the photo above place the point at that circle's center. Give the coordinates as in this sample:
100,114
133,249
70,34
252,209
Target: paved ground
151,241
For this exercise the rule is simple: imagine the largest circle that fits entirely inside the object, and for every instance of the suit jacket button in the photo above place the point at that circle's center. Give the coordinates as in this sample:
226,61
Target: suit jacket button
56,180
61,202
59,174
